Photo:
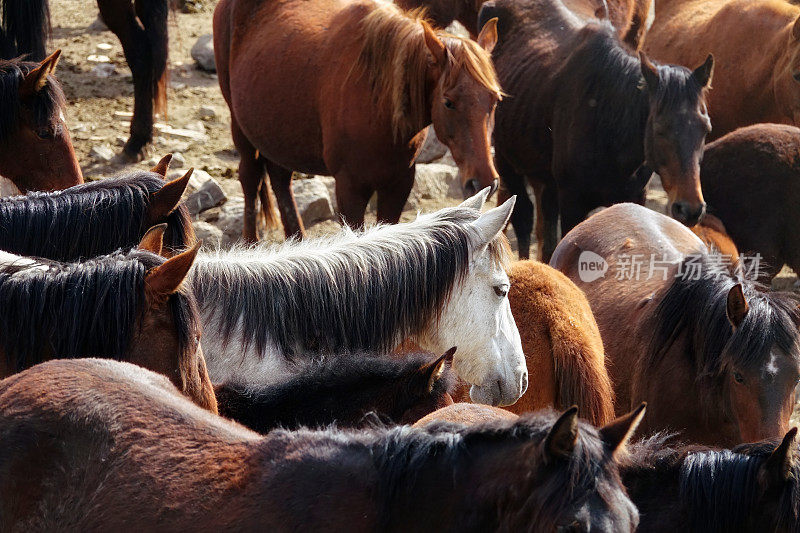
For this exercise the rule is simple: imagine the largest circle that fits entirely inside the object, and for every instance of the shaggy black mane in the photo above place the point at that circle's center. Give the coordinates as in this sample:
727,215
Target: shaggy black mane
698,309
87,220
73,310
45,105
340,389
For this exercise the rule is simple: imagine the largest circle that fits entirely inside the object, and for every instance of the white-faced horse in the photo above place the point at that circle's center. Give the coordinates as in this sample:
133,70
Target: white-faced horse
440,281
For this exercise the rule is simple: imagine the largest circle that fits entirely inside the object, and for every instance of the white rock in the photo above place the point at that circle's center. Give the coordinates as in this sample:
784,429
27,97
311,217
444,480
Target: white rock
203,53
204,192
178,161
207,112
102,153
229,219
197,126
98,58
104,47
313,200
181,133
104,70
436,180
211,235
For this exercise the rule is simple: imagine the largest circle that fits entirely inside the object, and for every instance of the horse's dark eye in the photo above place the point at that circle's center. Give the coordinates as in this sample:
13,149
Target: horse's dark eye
45,134
501,290
738,377
796,76
449,104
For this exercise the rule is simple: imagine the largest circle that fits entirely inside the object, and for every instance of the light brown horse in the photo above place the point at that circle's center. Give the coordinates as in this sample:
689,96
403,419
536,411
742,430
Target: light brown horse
36,151
562,345
347,88
757,47
715,356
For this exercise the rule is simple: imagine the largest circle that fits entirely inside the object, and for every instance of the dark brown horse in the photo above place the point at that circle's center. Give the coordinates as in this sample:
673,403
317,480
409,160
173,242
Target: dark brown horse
715,356
140,25
36,151
587,121
127,305
343,390
96,218
104,445
751,178
352,87
752,488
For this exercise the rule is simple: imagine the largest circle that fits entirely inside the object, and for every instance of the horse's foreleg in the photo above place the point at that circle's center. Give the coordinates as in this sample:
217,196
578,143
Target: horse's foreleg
352,198
512,183
281,180
546,220
392,199
251,177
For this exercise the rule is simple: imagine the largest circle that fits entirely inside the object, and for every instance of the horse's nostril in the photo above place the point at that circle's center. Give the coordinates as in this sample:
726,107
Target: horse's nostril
471,188
679,211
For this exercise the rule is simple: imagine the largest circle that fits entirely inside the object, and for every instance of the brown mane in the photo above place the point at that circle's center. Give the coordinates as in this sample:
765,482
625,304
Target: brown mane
395,59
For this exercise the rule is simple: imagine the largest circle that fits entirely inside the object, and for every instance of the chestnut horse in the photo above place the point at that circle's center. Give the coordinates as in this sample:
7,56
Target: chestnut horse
348,88
589,120
127,305
343,390
96,218
752,488
105,445
440,281
753,84
713,233
562,345
752,182
36,151
715,356
140,25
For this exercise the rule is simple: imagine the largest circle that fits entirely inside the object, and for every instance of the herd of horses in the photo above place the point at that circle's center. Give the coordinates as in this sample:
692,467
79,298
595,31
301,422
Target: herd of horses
412,376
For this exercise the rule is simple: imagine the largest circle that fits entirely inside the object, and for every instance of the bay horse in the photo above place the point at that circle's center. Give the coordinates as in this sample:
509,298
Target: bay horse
752,488
715,235
715,356
70,430
587,121
126,305
752,84
96,218
343,390
751,177
140,25
360,82
562,344
439,280
36,151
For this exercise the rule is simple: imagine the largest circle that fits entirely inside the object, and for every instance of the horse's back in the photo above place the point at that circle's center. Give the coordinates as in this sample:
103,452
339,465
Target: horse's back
466,413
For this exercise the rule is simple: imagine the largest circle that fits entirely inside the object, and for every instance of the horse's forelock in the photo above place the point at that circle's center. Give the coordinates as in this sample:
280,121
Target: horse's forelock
469,56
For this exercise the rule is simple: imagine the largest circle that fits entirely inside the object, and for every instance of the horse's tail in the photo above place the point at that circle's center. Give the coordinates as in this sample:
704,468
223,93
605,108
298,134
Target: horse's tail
643,13
269,204
556,307
156,14
25,28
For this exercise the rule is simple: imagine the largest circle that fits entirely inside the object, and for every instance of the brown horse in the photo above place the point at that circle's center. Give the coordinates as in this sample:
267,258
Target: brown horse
588,121
36,151
104,445
715,356
561,342
467,413
352,87
713,233
752,180
140,25
753,84
343,390
126,305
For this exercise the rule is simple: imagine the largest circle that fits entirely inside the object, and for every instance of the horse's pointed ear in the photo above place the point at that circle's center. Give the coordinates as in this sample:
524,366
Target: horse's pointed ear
488,36
153,240
777,469
434,44
704,72
433,371
165,200
36,79
737,307
649,72
166,278
477,200
493,221
560,442
616,433
162,166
